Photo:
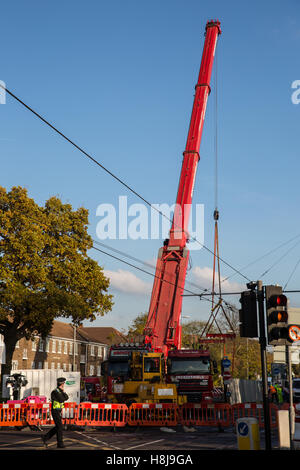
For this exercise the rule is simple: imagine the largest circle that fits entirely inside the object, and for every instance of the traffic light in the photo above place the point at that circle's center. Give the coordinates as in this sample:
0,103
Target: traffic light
277,316
248,315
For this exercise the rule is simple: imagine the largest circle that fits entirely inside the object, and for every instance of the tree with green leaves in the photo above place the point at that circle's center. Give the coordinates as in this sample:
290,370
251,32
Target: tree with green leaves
190,333
45,271
137,325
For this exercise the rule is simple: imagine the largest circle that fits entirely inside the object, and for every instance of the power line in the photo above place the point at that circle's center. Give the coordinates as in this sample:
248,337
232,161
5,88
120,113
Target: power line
233,293
90,157
291,275
43,225
264,256
143,262
191,293
144,271
276,262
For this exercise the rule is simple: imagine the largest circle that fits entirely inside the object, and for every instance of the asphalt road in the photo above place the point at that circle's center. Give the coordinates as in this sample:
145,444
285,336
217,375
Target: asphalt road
124,439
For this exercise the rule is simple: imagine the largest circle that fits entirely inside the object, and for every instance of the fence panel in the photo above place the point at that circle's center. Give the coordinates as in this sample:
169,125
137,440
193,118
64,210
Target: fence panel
39,414
153,414
101,414
194,414
13,414
254,410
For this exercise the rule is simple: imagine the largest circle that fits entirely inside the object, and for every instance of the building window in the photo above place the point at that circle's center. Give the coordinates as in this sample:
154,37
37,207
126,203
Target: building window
65,367
92,350
46,365
70,367
40,366
92,369
58,365
59,346
71,349
17,344
33,345
41,345
53,346
98,371
47,342
52,365
100,351
32,365
25,353
66,348
14,365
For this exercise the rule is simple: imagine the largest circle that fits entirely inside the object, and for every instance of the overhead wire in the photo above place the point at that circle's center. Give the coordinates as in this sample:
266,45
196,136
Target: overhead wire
122,182
145,263
264,256
94,160
44,225
143,270
278,261
292,273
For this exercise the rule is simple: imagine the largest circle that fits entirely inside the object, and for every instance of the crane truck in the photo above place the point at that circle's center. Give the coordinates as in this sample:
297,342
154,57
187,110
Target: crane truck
182,375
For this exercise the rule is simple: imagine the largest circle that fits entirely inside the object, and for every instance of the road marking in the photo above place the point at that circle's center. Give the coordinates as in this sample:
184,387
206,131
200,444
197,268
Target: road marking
100,442
83,442
20,442
145,444
67,439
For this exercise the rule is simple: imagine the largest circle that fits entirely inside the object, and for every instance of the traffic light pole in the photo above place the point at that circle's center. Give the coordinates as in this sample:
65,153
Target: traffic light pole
290,385
263,354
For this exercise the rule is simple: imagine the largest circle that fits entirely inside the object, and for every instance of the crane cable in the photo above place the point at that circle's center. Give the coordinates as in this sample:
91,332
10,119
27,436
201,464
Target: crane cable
216,257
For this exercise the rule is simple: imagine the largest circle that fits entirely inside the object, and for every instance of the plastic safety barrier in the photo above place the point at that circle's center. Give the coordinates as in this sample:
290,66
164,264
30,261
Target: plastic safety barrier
138,414
254,410
101,414
39,414
194,414
13,414
153,414
69,413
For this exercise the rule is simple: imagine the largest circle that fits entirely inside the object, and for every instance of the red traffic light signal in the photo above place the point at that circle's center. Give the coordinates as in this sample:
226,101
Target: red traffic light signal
277,316
277,301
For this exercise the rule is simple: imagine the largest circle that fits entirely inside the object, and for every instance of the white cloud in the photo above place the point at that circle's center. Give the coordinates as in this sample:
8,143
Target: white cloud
125,281
204,277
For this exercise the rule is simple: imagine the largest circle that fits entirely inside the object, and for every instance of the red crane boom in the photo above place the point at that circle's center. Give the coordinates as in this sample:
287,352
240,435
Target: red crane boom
163,323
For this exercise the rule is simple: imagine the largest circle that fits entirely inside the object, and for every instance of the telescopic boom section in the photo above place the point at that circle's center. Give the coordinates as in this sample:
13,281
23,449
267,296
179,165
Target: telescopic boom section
163,329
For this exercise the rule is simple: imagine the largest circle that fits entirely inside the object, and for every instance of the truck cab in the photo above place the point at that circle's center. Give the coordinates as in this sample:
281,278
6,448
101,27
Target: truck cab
191,371
136,374
117,369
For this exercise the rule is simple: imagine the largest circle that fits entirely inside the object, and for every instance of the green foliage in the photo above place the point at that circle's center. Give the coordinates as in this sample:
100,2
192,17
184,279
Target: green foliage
45,271
246,358
190,333
137,326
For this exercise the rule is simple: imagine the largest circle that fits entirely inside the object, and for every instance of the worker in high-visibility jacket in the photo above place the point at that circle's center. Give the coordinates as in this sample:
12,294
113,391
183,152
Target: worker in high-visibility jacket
58,397
279,394
272,394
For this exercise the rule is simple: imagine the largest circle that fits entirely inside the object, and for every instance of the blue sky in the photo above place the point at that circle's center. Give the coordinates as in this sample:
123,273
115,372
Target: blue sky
118,78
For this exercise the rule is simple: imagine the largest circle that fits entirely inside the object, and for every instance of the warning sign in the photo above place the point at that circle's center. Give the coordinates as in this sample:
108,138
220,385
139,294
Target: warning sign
294,332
